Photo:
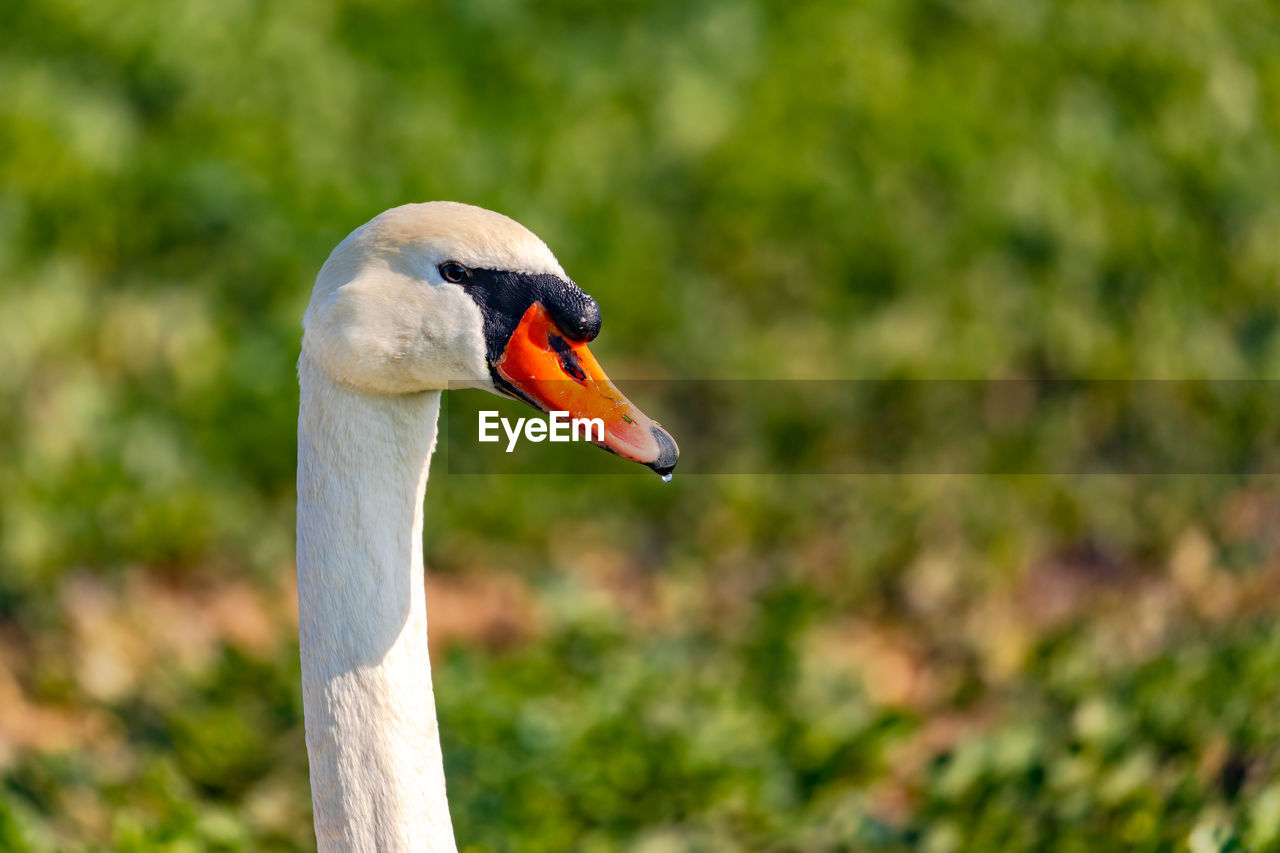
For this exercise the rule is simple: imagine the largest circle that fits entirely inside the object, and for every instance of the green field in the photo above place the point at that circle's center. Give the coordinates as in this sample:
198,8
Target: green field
790,190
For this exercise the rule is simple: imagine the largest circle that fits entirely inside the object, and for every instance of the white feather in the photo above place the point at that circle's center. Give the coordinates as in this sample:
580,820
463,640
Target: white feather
384,333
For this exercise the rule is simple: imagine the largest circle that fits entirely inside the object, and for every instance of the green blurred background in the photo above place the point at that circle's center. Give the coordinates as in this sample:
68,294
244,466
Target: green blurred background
884,189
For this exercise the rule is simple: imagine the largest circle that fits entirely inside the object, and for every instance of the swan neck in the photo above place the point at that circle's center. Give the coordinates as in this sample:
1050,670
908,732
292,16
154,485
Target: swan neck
377,776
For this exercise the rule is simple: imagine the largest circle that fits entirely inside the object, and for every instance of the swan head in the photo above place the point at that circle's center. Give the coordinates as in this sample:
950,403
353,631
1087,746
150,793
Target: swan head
430,296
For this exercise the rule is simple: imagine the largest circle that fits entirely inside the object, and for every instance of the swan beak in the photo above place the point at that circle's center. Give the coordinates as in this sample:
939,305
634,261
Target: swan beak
551,372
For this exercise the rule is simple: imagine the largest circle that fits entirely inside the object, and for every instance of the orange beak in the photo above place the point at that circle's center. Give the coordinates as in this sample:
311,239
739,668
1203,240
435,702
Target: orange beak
553,373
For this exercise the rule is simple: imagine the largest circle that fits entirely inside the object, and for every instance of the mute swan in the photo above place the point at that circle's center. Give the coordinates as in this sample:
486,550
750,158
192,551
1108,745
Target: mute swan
420,296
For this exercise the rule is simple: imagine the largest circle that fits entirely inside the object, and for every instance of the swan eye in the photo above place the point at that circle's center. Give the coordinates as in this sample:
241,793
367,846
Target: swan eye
453,271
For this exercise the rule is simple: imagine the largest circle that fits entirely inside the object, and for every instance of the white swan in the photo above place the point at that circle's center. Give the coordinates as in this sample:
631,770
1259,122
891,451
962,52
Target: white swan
421,296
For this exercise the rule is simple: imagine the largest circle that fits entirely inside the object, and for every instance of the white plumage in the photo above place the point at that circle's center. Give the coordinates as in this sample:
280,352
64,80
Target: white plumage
383,335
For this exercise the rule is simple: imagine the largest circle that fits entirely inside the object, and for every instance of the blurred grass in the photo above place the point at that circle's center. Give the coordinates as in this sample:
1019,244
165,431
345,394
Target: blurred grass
784,190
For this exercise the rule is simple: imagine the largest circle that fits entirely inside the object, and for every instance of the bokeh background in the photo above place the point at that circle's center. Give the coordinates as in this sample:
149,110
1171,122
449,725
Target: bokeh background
784,190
